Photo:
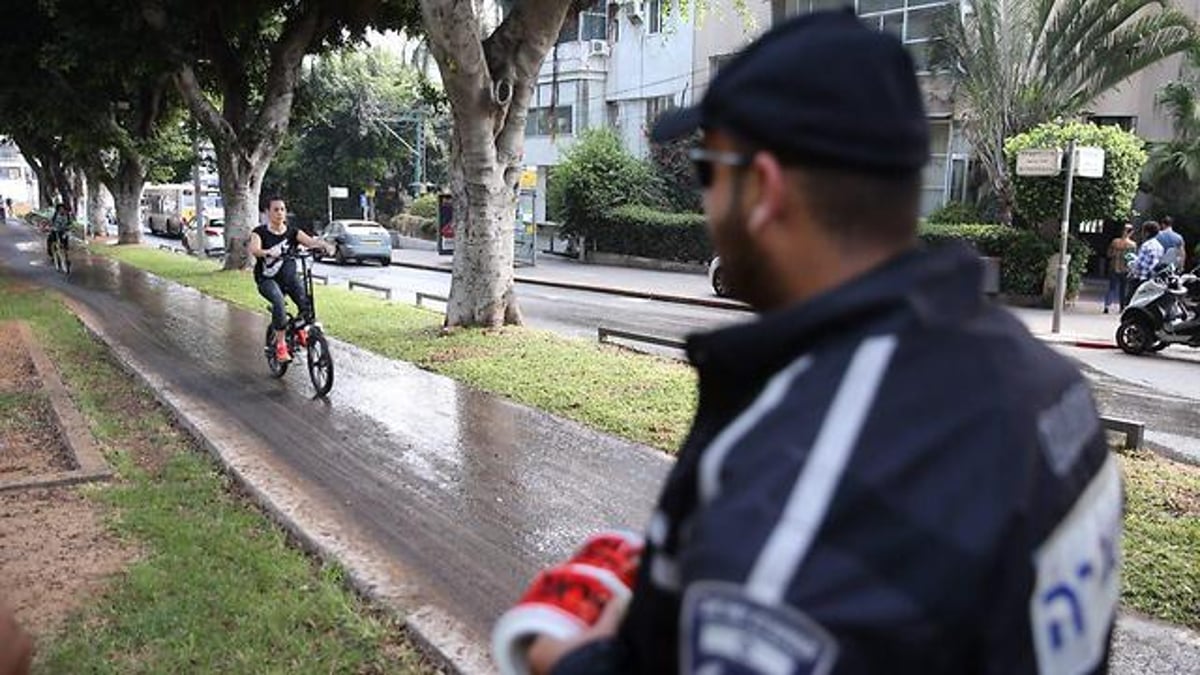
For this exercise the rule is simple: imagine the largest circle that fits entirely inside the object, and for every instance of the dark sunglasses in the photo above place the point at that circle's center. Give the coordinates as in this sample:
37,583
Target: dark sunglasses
704,159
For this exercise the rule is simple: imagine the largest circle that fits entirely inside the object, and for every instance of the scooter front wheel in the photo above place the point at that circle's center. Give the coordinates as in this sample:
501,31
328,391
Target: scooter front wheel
1135,336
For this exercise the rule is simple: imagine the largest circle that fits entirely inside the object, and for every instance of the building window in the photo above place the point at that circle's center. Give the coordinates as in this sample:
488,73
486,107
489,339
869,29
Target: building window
593,22
590,24
1124,122
795,7
934,177
613,110
545,122
655,9
716,63
657,106
914,22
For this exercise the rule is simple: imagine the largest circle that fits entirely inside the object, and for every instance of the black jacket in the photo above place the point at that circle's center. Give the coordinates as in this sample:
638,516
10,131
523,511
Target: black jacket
892,478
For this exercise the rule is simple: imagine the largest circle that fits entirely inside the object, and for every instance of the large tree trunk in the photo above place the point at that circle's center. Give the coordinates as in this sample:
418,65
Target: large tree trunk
481,288
241,186
97,224
489,84
127,187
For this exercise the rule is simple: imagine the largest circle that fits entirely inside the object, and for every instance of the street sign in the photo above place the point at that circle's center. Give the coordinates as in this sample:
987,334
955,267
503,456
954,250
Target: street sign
339,192
1039,162
1089,162
528,179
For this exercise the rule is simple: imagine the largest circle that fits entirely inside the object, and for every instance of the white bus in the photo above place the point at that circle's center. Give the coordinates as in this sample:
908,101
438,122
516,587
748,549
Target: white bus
17,180
167,207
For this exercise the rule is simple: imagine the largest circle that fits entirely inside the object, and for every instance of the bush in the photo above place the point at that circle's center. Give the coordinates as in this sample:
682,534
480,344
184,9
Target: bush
1039,200
1023,254
954,212
413,226
425,206
596,176
676,182
643,231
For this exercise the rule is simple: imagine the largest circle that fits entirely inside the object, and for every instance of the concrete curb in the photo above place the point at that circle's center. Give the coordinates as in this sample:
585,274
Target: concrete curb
89,462
1076,341
369,572
590,288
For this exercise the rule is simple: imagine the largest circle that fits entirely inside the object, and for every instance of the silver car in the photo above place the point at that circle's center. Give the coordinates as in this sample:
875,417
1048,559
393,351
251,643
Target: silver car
358,240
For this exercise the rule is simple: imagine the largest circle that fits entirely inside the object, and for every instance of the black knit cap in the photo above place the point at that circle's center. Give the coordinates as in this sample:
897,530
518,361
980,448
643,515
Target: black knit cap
819,90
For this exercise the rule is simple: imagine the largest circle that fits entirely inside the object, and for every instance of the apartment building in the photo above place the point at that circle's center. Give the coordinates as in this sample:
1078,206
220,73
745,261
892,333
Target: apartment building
622,63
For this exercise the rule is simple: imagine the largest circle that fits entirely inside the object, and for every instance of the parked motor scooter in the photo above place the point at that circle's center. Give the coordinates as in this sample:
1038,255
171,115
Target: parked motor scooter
1165,310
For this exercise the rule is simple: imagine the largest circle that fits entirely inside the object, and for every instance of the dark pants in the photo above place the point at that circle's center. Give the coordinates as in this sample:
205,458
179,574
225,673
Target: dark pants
63,240
1117,290
1133,285
274,288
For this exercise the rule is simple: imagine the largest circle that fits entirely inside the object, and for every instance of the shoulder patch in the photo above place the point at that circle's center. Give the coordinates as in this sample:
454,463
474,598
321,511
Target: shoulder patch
1078,569
1066,427
727,633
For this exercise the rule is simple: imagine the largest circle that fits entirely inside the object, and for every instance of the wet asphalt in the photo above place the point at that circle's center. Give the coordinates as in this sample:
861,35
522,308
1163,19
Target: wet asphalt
472,492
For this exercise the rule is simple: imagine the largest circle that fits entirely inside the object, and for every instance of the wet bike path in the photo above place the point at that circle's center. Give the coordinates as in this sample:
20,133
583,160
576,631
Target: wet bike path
463,495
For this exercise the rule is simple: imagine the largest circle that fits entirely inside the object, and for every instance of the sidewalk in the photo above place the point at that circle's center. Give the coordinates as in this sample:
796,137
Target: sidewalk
439,500
557,271
1083,324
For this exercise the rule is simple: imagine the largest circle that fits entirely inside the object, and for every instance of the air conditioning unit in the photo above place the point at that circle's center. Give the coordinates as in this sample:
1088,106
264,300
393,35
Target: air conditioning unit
636,11
598,48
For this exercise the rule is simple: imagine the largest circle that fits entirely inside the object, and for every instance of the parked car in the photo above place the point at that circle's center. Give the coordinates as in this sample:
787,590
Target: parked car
717,279
358,240
214,236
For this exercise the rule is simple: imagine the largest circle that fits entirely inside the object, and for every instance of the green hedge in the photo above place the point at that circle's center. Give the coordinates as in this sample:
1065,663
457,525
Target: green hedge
425,206
645,232
1022,254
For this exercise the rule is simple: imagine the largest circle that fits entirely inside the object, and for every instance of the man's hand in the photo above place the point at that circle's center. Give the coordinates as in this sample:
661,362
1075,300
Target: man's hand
546,652
16,649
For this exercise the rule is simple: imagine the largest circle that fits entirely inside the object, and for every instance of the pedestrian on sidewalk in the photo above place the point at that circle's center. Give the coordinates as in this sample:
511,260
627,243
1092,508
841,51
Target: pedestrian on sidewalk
1171,240
1121,251
886,472
1150,253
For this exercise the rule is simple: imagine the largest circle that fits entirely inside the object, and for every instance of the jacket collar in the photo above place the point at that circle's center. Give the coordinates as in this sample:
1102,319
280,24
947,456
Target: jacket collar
932,286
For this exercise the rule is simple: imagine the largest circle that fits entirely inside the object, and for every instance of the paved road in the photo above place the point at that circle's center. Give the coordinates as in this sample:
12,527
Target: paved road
469,492
569,312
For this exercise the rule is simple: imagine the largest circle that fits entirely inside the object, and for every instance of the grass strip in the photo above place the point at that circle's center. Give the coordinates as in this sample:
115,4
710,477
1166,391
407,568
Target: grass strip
217,588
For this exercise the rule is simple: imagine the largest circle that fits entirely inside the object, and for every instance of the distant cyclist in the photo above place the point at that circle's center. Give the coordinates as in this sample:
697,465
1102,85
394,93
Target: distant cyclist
60,227
275,272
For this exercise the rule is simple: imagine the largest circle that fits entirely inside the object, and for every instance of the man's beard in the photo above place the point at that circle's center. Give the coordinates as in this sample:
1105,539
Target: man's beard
743,265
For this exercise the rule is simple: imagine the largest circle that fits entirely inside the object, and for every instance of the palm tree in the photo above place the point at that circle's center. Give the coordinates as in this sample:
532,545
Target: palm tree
1178,161
1018,63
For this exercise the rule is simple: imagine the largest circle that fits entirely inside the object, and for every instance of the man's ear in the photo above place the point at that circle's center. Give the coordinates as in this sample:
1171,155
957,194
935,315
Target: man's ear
768,192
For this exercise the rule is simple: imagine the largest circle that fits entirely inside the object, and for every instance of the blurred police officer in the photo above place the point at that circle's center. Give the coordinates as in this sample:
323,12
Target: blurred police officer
886,474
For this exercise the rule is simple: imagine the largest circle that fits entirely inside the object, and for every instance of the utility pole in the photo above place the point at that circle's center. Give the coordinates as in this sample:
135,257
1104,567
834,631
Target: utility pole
416,116
198,193
1060,286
